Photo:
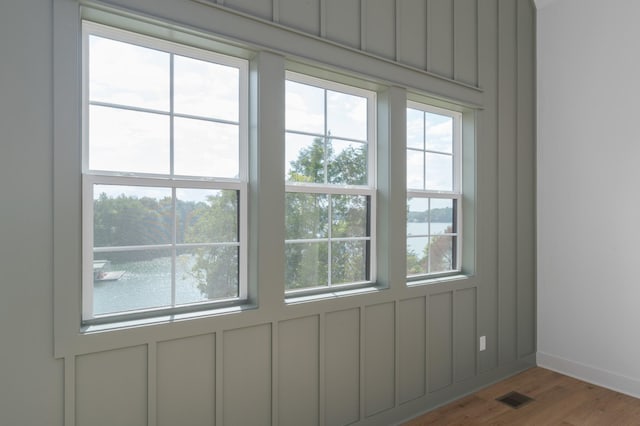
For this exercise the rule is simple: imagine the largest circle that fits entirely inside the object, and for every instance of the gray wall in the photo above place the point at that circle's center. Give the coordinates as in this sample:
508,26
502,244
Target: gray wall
375,358
588,177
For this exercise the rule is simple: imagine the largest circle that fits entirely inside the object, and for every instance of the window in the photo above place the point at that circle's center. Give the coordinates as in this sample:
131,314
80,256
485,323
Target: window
164,176
433,190
330,184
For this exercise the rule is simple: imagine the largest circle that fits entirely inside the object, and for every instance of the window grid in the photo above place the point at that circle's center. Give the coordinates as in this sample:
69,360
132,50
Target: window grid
426,193
169,181
332,189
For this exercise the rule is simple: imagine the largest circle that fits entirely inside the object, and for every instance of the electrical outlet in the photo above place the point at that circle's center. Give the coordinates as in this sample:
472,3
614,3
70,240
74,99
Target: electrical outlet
483,343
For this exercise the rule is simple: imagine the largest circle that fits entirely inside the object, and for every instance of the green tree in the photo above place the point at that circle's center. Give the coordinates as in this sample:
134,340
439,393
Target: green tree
215,267
307,217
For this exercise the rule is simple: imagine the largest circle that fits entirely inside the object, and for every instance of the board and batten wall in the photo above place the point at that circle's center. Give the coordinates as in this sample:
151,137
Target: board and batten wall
374,358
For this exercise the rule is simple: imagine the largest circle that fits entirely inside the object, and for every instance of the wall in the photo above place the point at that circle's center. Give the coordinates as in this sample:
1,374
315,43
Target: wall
588,225
374,358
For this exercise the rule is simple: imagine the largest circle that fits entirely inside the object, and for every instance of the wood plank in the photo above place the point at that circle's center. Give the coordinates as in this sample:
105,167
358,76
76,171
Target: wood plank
343,22
440,344
558,400
440,37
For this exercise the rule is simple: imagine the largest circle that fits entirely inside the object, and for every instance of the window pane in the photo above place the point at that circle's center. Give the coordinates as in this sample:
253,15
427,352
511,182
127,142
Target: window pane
206,216
439,132
306,265
128,141
205,89
415,129
348,216
441,253
439,172
418,216
304,158
348,261
347,163
125,74
306,216
304,108
206,273
125,281
131,215
415,169
417,255
441,216
346,116
204,148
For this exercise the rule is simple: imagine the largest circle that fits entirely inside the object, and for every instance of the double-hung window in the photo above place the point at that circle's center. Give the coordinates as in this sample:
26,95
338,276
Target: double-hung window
164,176
330,184
433,190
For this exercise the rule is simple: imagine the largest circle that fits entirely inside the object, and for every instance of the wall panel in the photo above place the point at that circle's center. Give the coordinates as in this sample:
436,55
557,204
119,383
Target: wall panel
342,367
526,203
300,14
111,388
247,376
464,334
507,180
298,371
465,37
379,27
440,343
412,349
260,8
379,356
342,21
186,381
440,37
412,33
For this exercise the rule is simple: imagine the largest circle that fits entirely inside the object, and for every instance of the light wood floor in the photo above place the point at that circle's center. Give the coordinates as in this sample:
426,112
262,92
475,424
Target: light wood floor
559,400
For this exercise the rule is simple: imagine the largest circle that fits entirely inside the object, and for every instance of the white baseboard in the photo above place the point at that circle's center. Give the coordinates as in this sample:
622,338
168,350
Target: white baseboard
607,379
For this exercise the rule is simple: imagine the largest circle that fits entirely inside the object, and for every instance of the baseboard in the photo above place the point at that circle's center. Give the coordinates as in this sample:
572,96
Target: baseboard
627,385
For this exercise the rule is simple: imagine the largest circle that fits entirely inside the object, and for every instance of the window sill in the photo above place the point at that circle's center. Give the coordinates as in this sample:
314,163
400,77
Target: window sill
164,319
438,280
344,292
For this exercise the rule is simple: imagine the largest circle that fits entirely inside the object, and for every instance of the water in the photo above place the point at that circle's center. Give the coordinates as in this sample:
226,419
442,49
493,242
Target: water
146,284
417,244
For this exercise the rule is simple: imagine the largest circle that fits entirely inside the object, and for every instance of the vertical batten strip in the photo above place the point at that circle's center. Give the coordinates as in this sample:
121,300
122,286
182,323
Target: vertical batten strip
321,369
363,25
275,373
219,378
398,28
70,390
152,384
363,382
323,18
275,5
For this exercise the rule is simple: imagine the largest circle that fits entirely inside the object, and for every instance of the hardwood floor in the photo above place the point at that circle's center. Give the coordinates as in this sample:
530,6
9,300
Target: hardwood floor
558,400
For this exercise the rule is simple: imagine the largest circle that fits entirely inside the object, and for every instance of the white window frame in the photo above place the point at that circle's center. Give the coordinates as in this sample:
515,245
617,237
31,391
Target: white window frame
456,194
368,190
168,181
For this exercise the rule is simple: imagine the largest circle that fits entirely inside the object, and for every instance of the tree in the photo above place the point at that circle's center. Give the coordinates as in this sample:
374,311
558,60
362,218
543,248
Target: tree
215,268
307,217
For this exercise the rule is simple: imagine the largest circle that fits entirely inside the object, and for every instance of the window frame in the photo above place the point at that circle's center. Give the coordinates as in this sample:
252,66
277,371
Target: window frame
369,190
169,180
456,194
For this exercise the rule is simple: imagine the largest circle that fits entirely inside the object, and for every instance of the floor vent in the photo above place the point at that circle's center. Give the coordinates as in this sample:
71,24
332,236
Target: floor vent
514,399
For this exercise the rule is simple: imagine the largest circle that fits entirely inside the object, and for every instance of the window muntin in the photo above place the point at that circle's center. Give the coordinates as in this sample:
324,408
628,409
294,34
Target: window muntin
164,176
330,184
433,190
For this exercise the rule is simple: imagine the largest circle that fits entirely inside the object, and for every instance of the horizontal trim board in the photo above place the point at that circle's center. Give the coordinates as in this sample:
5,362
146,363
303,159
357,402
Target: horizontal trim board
330,53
